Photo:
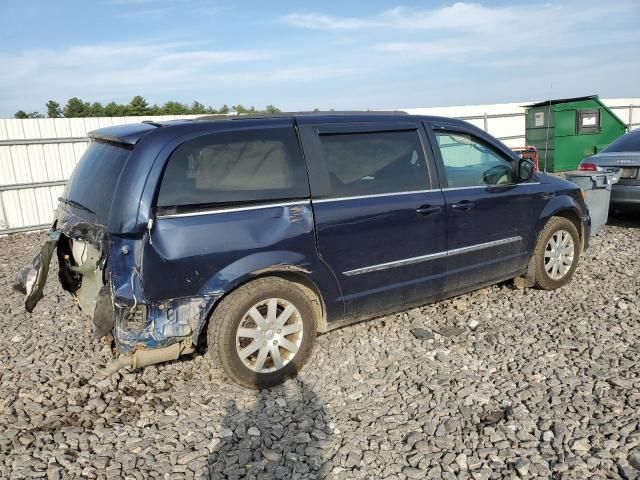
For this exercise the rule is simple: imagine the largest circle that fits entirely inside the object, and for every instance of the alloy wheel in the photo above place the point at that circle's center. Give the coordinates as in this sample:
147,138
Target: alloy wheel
558,254
269,335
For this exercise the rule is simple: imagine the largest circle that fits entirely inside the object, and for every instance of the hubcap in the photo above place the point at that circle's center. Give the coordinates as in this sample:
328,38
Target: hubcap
558,254
269,335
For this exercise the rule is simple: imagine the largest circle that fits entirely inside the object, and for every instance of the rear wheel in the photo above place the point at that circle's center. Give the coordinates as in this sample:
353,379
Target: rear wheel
263,332
557,253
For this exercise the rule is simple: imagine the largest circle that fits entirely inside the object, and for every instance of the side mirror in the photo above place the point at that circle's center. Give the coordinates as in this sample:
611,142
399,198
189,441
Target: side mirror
525,170
498,175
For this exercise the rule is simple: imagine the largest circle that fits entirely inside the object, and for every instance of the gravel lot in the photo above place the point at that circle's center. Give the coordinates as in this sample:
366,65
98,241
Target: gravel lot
503,383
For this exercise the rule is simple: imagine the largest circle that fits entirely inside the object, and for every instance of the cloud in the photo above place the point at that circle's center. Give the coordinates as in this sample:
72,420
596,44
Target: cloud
158,10
84,63
316,21
287,74
459,16
431,49
117,71
464,32
467,17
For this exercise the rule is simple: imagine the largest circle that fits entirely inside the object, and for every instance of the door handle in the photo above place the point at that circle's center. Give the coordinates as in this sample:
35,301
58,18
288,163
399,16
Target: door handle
428,210
463,206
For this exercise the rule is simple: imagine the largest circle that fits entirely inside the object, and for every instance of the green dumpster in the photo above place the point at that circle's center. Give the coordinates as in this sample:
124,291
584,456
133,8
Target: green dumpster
567,130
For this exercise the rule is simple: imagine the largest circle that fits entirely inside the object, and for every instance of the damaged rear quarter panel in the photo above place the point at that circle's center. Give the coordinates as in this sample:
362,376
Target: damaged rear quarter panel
191,261
166,320
186,264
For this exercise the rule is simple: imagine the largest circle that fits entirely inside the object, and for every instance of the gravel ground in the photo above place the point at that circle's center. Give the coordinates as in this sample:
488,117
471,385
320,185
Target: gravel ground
502,383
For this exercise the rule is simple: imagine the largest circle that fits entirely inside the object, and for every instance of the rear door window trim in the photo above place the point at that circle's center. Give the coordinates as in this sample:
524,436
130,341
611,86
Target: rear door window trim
318,172
231,209
376,195
347,128
299,188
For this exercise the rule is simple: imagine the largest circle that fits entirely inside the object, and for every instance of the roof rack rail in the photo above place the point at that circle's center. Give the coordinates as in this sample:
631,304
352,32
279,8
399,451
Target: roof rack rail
245,116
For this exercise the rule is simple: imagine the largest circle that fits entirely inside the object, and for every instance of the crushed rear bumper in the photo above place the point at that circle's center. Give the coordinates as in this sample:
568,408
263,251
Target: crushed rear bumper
104,274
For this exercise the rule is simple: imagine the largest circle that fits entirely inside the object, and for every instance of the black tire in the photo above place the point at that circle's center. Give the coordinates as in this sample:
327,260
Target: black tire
542,278
232,310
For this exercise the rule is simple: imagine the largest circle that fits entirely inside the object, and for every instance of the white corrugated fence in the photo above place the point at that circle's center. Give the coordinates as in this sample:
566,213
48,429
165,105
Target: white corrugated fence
37,157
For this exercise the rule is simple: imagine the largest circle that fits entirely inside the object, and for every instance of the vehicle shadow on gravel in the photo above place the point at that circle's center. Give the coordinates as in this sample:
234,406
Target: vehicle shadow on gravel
284,435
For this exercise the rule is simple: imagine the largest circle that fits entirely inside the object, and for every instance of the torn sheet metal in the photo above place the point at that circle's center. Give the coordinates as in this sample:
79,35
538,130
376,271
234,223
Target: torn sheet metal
139,321
165,323
76,227
32,279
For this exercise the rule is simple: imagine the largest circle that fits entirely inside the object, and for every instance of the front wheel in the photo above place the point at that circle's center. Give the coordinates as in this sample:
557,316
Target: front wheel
263,332
556,254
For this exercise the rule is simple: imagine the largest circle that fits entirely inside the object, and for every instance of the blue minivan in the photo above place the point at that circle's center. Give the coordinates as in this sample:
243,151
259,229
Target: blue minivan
247,236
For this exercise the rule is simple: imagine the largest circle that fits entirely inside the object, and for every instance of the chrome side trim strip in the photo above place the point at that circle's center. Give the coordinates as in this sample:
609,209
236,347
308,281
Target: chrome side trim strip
234,209
449,189
432,256
396,263
481,246
357,197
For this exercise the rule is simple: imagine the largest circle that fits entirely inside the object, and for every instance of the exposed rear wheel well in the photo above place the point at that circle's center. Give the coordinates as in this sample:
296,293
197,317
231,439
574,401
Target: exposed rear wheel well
307,285
312,291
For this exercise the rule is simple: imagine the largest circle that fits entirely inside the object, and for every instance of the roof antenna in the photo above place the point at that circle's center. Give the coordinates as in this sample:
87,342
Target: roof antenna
546,142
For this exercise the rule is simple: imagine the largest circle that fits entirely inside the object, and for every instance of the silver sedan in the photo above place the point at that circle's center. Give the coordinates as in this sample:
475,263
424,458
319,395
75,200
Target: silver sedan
622,155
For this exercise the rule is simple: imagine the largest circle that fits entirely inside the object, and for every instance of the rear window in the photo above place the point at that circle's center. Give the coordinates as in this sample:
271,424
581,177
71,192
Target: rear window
629,142
95,177
235,167
373,163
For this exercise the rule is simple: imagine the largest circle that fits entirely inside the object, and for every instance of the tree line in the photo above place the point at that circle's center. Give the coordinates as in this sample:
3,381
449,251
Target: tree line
75,108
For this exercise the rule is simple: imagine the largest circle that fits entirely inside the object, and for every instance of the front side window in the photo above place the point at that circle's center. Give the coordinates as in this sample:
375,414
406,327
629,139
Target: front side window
235,167
471,163
373,163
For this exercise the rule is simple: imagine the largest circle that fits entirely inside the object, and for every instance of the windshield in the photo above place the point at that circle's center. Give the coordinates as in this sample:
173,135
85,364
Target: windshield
93,182
629,142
